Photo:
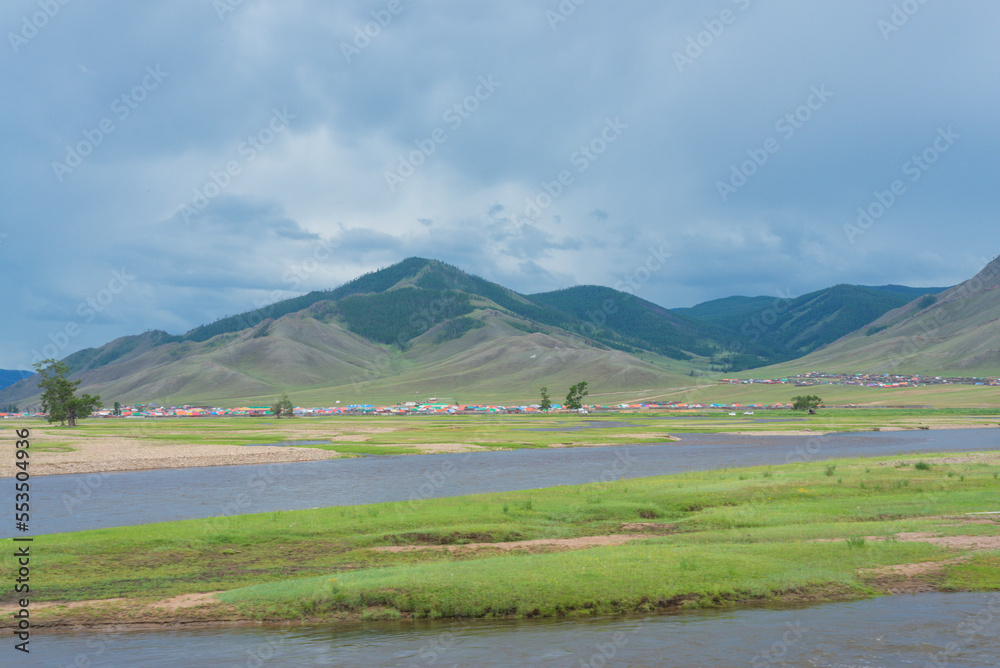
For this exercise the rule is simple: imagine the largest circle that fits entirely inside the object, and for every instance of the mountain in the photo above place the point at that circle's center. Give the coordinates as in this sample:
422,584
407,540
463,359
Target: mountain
421,328
768,330
9,377
955,333
729,309
906,291
416,328
619,319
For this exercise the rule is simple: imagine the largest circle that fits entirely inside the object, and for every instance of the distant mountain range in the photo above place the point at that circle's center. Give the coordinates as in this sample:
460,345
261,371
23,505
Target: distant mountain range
422,328
9,377
770,330
955,333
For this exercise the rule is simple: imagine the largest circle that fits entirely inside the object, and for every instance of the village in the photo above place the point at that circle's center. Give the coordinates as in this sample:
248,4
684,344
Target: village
433,406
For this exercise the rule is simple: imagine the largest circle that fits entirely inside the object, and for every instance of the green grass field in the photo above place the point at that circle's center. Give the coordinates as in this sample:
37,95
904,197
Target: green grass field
717,538
352,436
360,435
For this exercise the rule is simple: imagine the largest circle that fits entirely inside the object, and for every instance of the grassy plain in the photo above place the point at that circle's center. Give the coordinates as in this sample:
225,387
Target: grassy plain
806,531
362,435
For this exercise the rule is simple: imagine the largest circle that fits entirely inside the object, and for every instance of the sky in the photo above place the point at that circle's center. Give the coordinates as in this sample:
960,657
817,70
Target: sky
168,163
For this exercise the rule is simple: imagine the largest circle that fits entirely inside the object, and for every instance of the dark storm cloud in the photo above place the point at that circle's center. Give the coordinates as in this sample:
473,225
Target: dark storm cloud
541,148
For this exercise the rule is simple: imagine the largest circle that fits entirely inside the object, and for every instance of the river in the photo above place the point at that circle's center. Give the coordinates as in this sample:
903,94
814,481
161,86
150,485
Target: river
62,503
920,630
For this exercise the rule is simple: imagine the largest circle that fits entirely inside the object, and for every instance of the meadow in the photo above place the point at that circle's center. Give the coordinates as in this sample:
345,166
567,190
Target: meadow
375,435
808,531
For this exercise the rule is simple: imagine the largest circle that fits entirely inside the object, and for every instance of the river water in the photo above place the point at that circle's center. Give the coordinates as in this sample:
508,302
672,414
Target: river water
62,503
920,630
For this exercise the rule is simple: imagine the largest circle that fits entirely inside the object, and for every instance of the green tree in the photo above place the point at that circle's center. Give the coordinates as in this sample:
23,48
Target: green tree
118,408
10,408
545,404
574,400
58,398
283,406
809,402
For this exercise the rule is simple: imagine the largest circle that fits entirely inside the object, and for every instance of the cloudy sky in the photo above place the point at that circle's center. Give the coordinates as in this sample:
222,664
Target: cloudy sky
170,162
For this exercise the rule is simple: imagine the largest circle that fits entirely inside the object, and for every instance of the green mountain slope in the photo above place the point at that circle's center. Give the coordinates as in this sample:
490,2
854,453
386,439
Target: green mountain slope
726,308
622,320
766,330
956,332
422,327
9,377
414,326
905,291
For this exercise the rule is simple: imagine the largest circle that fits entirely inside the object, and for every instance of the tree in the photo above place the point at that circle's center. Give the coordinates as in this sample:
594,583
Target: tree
546,404
10,408
574,400
283,406
58,398
118,409
808,402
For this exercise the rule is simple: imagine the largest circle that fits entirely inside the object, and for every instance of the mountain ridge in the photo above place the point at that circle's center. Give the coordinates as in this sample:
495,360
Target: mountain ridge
422,322
956,332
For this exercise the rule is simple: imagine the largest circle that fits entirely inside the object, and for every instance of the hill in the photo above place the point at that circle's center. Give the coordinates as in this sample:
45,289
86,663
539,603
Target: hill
768,330
8,377
620,319
421,327
955,333
417,328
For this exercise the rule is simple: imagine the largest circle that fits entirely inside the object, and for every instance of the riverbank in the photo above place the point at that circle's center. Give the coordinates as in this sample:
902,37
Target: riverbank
817,531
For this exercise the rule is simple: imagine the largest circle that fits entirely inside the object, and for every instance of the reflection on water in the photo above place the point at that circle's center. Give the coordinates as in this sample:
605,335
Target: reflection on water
920,630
